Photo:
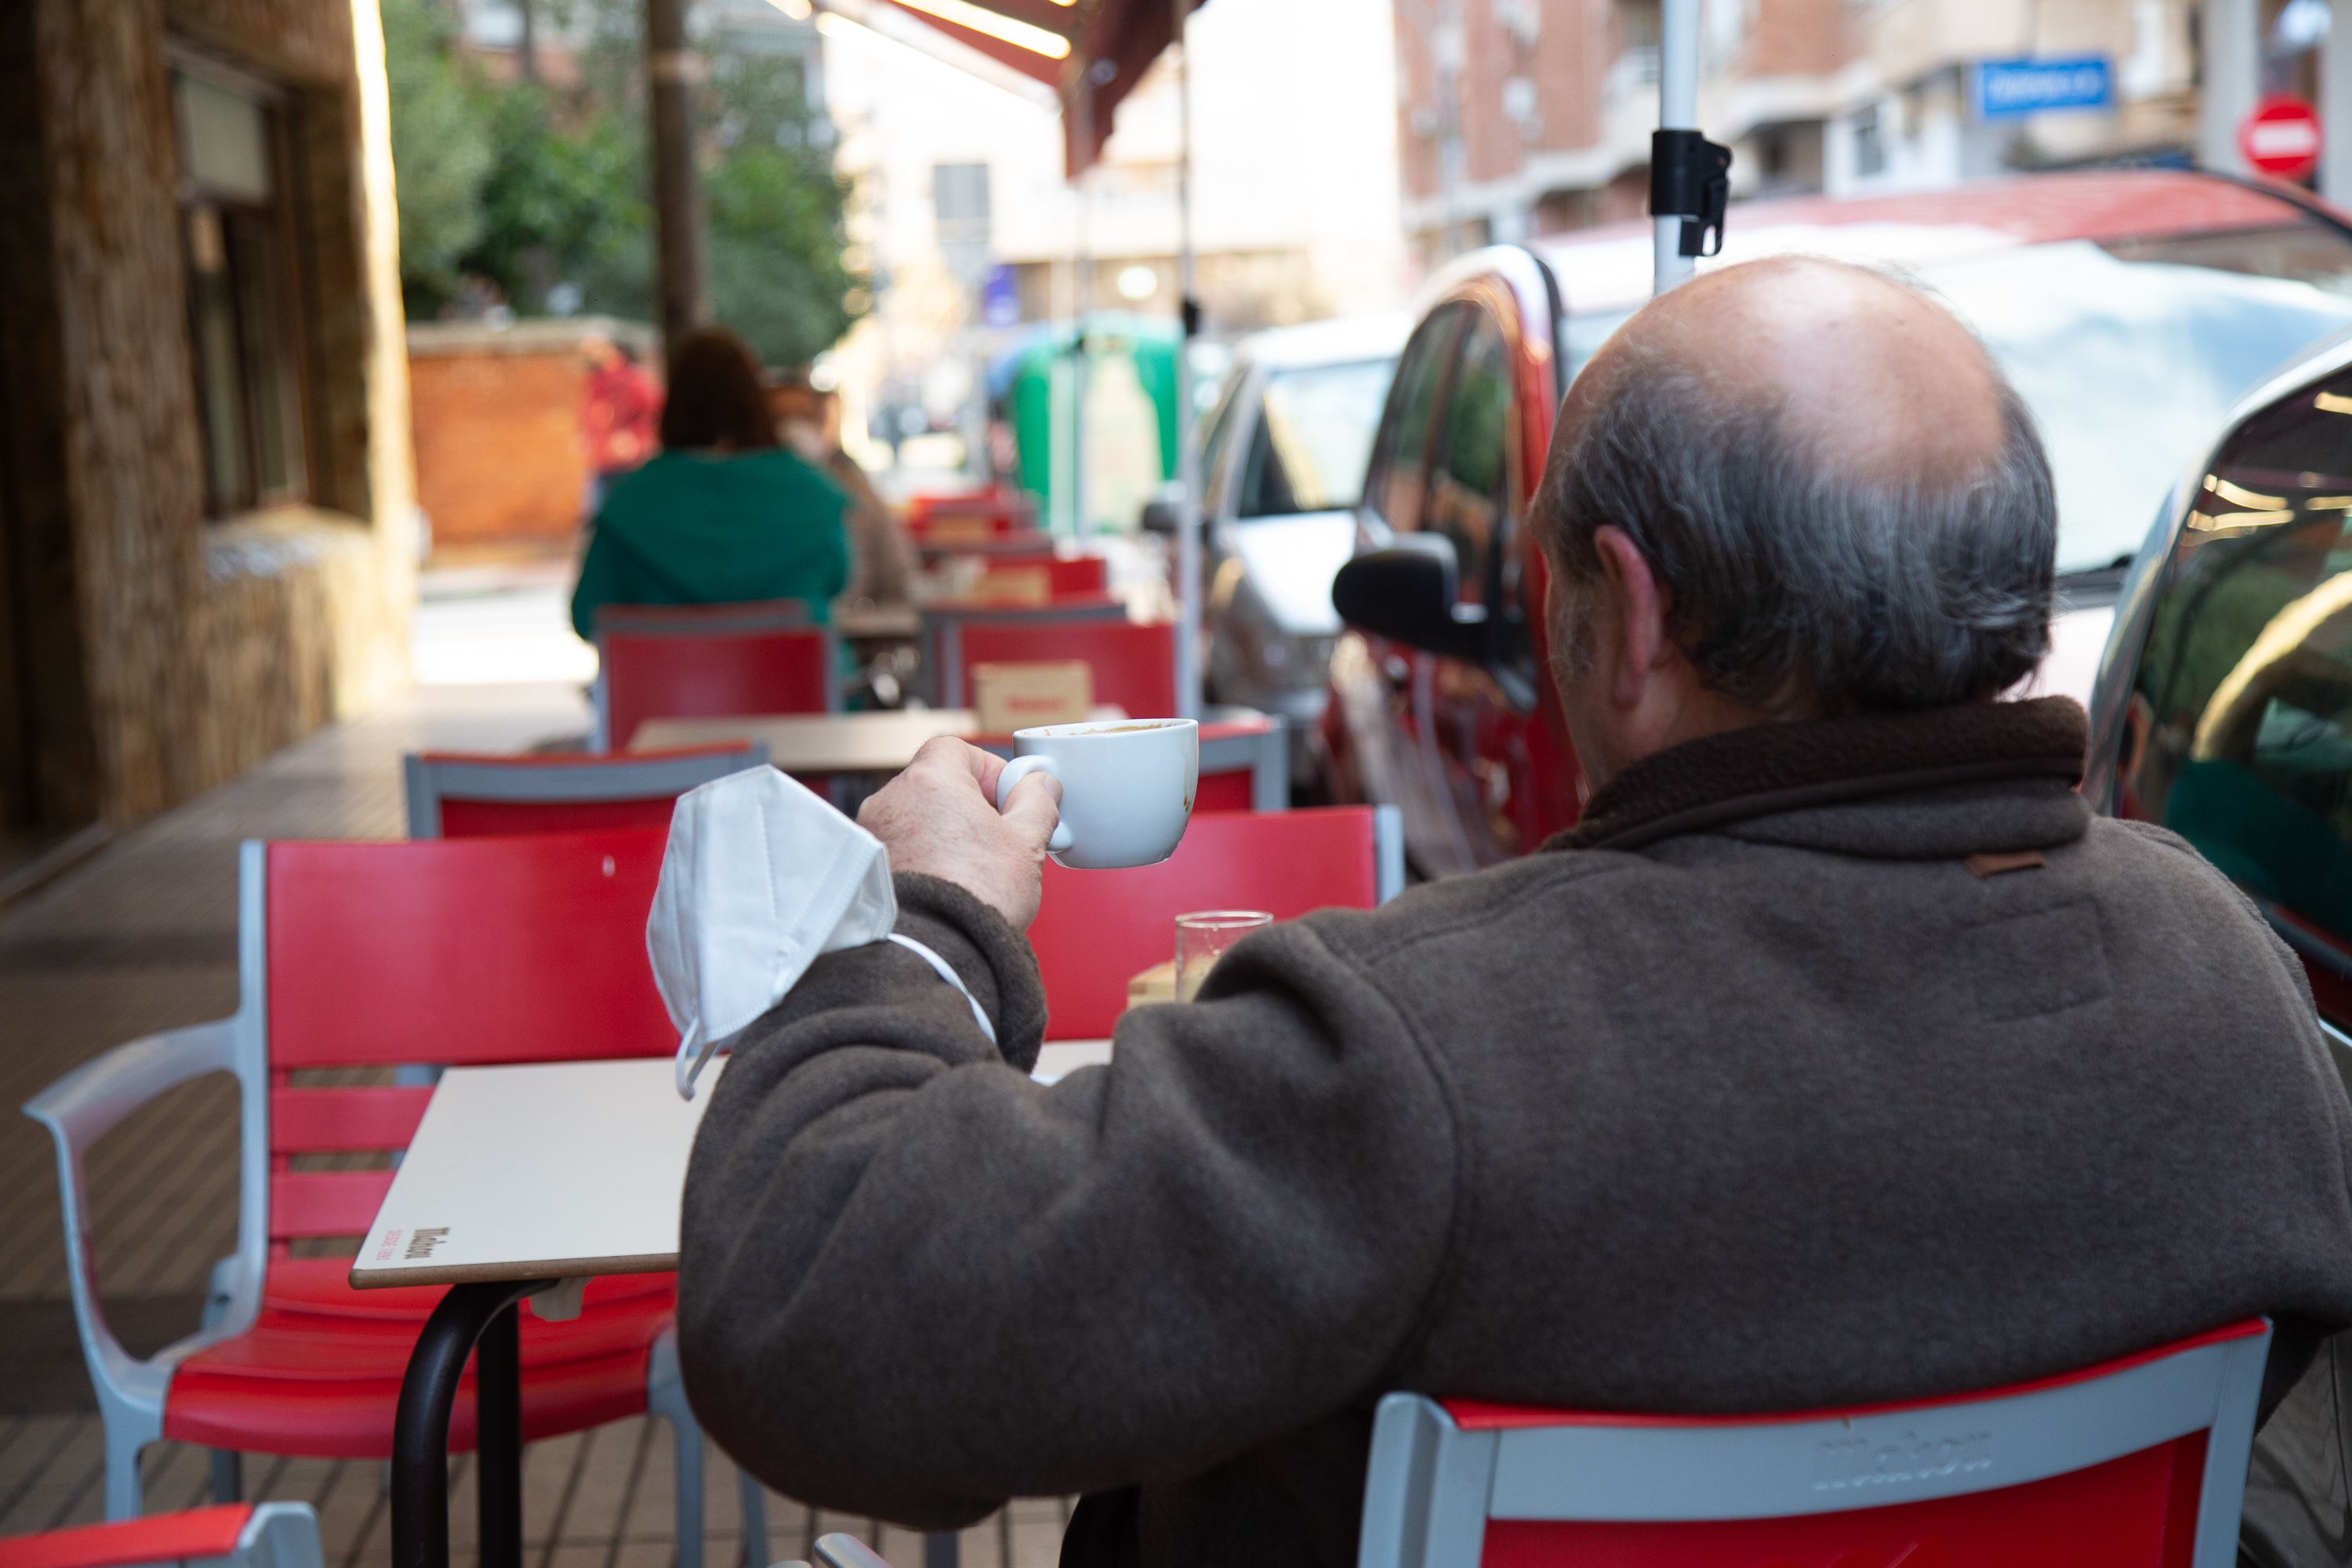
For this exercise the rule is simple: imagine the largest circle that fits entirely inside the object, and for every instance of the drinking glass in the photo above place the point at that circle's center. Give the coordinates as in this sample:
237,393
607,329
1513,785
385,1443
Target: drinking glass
1202,937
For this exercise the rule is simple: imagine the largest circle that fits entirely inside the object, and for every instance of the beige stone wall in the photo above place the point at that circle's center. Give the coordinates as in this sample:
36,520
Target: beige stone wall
204,646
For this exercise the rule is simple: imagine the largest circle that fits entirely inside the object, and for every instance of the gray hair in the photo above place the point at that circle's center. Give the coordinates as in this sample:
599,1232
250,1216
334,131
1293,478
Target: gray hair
1790,582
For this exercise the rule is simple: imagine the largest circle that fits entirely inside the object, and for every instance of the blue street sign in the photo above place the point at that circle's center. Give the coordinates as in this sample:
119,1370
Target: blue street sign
1000,297
2007,89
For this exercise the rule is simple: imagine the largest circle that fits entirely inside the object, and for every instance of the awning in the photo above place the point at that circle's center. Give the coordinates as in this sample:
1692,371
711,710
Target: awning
1090,54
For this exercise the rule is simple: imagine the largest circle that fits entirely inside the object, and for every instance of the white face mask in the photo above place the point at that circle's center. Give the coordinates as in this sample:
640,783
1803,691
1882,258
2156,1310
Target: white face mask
762,877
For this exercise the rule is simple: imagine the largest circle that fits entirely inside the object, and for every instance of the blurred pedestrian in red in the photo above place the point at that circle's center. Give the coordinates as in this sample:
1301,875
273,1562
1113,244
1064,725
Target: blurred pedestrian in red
620,404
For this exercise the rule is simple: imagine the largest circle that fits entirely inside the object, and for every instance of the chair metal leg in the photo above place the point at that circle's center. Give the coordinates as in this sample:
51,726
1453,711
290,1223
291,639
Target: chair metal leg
942,1548
122,1486
755,1520
228,1476
686,1439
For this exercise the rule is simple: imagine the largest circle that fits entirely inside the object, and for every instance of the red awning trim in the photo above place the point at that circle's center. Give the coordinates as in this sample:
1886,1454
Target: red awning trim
1112,40
1037,68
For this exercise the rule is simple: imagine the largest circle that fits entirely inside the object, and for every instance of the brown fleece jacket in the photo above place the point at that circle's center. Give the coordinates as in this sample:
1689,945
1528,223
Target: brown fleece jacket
1751,1095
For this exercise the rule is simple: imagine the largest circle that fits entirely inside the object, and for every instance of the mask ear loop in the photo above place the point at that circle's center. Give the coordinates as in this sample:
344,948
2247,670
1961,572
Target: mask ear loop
946,971
693,1055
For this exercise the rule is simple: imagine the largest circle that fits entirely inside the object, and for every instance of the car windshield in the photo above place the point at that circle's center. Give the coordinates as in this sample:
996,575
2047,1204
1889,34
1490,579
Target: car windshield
2131,354
1314,437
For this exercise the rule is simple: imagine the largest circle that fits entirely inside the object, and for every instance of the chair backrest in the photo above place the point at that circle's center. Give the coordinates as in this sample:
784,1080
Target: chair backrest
706,674
1134,666
1244,766
366,954
750,616
1096,929
2139,1463
947,671
1066,576
455,794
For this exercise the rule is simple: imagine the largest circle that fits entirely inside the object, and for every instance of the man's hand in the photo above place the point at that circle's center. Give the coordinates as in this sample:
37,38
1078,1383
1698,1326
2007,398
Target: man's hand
939,817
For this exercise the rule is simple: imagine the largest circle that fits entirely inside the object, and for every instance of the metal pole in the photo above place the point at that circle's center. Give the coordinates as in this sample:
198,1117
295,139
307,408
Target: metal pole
1188,462
2230,77
2335,108
1677,111
671,72
1082,297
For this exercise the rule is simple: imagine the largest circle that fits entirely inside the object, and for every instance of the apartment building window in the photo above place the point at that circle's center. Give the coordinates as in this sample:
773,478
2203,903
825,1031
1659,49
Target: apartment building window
1869,143
236,236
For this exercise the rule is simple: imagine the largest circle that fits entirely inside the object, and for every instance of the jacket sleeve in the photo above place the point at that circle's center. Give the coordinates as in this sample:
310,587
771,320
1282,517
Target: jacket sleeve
916,1282
599,584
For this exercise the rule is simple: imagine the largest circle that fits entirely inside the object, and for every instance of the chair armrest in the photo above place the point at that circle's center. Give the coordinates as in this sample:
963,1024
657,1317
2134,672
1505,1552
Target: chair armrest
78,1110
846,1552
95,1097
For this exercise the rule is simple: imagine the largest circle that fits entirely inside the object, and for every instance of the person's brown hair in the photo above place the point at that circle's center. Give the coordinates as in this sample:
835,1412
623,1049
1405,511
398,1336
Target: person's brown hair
715,396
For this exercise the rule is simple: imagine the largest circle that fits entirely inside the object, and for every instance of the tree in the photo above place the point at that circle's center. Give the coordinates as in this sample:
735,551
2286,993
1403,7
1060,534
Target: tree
521,187
440,152
776,275
557,200
774,209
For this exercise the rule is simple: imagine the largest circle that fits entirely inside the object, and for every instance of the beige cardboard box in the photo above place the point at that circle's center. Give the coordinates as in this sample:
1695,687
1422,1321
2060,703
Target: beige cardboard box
1009,697
1013,585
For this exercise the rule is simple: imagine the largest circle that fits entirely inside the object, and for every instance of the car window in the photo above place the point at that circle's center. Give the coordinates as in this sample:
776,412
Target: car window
1469,473
1394,486
1313,432
2240,729
1218,435
2129,353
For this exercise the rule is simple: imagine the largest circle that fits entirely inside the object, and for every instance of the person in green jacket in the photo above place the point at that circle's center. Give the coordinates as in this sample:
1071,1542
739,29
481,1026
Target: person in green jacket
724,515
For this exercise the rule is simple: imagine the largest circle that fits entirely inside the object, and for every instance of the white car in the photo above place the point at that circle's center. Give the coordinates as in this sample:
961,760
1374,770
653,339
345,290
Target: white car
1282,463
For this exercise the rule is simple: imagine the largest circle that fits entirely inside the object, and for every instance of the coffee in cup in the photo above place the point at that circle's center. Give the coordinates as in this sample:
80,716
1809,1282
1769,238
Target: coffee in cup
1127,787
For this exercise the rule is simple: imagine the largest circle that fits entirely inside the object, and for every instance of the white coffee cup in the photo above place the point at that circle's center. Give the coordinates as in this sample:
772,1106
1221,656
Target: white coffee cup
1127,787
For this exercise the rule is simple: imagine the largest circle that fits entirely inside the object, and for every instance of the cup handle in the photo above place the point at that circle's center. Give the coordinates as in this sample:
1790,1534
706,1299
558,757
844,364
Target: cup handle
1020,768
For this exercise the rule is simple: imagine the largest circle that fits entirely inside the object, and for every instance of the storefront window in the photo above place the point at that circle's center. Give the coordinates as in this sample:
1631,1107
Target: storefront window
241,320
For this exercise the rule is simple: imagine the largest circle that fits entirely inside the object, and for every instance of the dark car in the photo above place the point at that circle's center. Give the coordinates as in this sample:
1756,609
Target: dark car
2132,310
2223,710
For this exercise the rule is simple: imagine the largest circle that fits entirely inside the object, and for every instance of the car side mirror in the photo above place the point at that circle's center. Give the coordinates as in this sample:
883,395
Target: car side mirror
1406,593
1159,515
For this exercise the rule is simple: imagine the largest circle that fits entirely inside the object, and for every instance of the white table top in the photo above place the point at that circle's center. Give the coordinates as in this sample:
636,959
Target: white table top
558,1170
1059,1059
872,743
540,1172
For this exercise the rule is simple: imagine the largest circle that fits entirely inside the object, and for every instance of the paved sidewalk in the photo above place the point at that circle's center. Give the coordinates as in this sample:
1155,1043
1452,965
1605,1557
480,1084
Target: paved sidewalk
142,937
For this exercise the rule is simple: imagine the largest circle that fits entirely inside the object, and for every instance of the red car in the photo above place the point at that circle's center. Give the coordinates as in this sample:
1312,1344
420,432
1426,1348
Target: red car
2131,309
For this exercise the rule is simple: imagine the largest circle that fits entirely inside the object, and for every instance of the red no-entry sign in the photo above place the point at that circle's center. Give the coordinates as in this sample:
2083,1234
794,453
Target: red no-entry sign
2281,137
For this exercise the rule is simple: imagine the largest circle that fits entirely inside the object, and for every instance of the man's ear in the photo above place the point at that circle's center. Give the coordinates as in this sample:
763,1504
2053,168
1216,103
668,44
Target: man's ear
1641,628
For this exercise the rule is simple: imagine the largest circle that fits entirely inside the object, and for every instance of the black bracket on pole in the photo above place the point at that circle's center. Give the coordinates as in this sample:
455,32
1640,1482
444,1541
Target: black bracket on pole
1188,315
1690,178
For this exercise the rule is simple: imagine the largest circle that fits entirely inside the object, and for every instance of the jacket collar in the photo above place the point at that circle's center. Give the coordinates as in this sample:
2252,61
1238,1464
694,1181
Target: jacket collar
1739,775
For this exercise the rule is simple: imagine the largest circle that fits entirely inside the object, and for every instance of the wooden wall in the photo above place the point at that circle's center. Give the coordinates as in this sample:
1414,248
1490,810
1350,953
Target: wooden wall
196,653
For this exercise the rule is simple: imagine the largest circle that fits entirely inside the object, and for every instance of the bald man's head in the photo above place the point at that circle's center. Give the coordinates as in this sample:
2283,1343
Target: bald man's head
1843,500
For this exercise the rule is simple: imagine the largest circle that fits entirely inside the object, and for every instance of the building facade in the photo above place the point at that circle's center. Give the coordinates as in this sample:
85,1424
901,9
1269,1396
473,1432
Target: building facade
1518,117
966,218
206,535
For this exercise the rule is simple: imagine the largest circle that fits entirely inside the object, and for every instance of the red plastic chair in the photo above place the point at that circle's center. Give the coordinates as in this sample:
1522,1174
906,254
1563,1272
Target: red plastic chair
2139,1463
1096,929
372,954
945,667
1066,576
1244,766
458,795
711,674
233,1535
1134,667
